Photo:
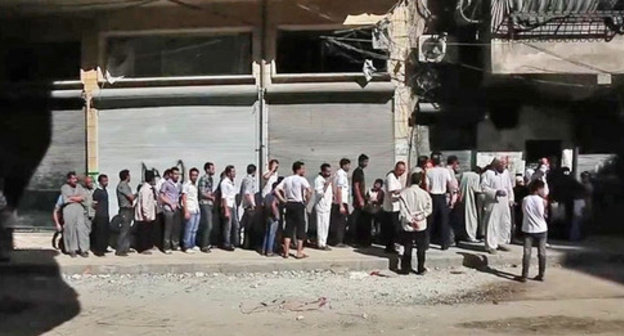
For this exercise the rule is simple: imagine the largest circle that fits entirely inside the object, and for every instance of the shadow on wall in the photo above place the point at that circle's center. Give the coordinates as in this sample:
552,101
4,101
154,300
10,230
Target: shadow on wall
34,299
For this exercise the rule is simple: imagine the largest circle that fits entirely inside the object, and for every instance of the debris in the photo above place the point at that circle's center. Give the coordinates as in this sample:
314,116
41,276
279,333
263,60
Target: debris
76,277
458,272
286,304
199,274
300,317
381,274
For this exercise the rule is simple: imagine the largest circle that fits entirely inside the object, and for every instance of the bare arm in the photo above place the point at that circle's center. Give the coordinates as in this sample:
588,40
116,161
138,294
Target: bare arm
275,209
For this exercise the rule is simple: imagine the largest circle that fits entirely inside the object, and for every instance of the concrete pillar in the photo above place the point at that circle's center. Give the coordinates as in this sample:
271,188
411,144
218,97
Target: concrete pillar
89,78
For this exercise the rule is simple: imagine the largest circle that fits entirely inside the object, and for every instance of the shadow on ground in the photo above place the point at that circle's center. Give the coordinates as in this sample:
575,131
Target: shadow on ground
375,251
35,299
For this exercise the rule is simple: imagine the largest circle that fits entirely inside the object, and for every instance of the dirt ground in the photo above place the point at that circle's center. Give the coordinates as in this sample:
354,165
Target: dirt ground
444,302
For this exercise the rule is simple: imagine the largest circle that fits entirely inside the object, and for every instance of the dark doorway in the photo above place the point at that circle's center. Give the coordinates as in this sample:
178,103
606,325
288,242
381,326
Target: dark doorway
537,149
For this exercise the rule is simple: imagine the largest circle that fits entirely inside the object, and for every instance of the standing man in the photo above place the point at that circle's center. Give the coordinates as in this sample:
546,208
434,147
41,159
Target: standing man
190,202
391,207
101,221
452,164
228,202
270,177
206,205
170,199
248,190
340,208
75,230
89,205
295,192
498,193
469,188
440,183
324,197
125,199
360,231
415,207
145,214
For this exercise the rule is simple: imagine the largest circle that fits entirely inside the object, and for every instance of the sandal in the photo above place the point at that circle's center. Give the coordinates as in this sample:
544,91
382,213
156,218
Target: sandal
303,256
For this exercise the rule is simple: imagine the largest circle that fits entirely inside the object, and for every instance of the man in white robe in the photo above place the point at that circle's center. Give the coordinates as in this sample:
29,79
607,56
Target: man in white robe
498,191
469,188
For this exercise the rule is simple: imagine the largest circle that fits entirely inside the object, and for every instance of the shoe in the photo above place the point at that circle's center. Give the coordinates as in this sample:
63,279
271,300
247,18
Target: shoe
206,249
147,252
404,271
539,278
270,254
229,248
422,272
472,241
168,252
504,248
326,248
196,249
491,251
132,250
99,254
189,251
522,279
72,254
121,254
84,254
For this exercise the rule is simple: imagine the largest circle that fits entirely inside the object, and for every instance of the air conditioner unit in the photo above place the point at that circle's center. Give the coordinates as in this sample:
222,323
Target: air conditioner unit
432,48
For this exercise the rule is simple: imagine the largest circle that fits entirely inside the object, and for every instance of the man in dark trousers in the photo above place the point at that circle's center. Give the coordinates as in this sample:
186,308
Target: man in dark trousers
340,207
125,198
101,221
359,228
391,207
440,184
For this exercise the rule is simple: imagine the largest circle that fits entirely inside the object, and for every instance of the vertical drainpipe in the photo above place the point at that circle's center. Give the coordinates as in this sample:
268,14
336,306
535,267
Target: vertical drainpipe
262,86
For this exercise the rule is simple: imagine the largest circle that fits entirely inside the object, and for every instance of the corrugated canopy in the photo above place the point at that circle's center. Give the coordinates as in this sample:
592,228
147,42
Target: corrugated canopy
562,6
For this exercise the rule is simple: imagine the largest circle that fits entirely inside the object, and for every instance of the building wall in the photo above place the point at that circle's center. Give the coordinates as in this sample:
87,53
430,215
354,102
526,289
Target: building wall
533,124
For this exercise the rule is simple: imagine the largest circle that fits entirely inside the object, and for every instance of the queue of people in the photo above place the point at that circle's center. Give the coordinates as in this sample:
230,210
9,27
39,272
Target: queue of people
437,205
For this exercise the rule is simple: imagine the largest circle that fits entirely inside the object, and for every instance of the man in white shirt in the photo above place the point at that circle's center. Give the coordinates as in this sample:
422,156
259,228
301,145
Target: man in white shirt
228,202
340,208
295,192
415,207
323,197
248,190
440,184
270,177
534,228
498,195
192,215
391,207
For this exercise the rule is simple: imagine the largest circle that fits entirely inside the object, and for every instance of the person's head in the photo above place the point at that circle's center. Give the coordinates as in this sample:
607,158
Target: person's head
345,164
537,187
209,168
378,184
363,161
124,175
167,174
416,178
326,170
103,181
72,178
88,181
298,168
543,164
193,174
174,175
230,172
399,169
251,170
520,181
273,165
422,161
453,163
498,165
585,177
150,177
436,158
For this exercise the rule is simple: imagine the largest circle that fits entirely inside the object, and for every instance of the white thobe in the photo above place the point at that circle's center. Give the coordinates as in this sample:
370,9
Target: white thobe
497,214
469,187
323,209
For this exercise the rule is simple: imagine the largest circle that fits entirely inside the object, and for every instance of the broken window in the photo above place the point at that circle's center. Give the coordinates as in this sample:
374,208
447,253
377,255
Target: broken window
327,51
178,56
45,61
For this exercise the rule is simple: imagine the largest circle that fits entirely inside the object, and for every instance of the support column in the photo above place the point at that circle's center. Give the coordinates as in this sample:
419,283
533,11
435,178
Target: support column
89,77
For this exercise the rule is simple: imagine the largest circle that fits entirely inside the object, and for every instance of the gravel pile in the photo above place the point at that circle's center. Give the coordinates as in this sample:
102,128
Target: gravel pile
339,287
